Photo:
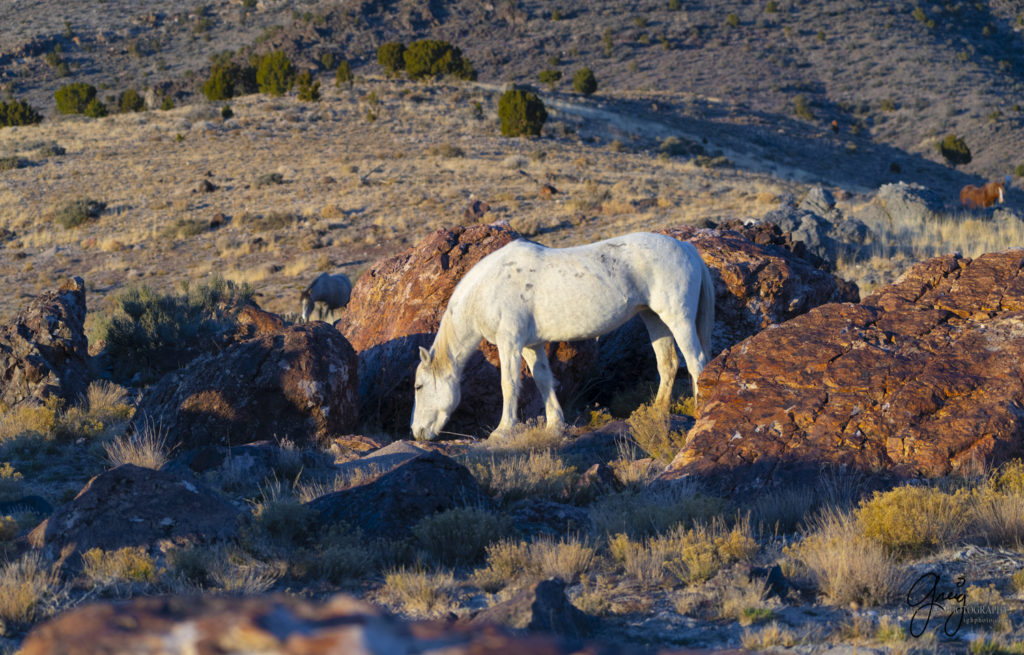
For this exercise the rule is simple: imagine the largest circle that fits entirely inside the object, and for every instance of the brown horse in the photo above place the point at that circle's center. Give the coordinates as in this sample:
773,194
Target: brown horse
973,197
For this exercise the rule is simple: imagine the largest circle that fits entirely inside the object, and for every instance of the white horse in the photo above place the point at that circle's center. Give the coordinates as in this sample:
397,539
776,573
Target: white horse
333,291
525,294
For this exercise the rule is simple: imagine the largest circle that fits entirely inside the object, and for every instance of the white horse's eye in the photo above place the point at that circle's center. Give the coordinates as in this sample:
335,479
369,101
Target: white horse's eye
418,387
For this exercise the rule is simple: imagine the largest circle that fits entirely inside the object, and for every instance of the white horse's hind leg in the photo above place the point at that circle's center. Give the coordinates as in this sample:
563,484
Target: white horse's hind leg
684,329
508,356
665,353
537,361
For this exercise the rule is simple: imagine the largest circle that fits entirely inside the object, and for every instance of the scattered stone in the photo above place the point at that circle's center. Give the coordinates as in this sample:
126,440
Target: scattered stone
536,516
547,191
44,352
206,186
475,211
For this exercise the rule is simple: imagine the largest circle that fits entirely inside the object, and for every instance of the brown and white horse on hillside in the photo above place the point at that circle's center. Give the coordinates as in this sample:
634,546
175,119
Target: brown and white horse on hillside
974,197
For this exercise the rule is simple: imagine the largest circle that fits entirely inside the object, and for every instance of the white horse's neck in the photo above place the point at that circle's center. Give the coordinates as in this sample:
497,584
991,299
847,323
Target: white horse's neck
455,342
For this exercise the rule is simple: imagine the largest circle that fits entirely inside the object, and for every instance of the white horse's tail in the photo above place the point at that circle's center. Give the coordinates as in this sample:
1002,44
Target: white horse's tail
706,310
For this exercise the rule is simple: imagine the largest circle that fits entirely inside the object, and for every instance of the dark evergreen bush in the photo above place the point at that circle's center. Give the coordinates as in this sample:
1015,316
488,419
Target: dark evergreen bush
521,113
74,98
550,77
429,58
309,89
18,112
390,57
955,150
344,74
130,100
78,212
584,81
275,74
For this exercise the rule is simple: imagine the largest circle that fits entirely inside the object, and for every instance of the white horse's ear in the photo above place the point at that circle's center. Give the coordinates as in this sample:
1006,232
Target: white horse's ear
424,355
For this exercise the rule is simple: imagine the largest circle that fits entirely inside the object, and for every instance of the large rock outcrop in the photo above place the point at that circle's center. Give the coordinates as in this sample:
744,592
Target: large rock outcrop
297,384
133,506
925,377
761,279
45,352
396,307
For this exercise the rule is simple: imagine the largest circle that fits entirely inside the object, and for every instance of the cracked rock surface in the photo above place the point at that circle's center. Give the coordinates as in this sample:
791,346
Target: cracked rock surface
921,378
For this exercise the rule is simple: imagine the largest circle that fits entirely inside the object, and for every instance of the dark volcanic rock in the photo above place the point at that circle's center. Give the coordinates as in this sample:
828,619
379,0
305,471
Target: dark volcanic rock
418,485
297,384
133,506
925,377
397,306
45,352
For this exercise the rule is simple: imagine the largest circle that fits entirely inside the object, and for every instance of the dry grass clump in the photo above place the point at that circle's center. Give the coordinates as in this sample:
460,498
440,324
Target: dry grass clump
147,448
512,563
510,477
647,512
913,520
650,428
770,636
745,601
279,519
528,436
691,555
461,535
845,564
10,482
29,590
112,568
418,593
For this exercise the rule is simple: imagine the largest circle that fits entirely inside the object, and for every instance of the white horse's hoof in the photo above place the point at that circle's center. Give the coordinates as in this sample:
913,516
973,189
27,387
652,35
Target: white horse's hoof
500,433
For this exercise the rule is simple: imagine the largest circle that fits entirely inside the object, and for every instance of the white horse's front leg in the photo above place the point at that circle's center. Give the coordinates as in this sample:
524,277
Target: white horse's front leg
537,360
508,356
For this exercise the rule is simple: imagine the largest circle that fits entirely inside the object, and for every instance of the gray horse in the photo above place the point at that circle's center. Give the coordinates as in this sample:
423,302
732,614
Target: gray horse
332,291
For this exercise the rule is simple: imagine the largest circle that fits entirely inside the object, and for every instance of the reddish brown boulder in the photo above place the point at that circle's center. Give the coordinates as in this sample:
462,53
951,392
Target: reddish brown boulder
133,506
297,384
925,377
45,352
276,625
396,307
761,279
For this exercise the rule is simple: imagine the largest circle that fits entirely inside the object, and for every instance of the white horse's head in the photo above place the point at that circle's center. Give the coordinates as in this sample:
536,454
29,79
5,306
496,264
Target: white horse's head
307,305
437,396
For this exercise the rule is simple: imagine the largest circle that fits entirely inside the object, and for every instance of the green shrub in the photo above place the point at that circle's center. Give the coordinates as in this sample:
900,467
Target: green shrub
429,58
309,89
802,108
461,535
11,163
275,74
227,112
130,100
954,149
95,109
167,103
344,74
74,98
732,20
78,212
550,77
584,81
521,113
225,82
18,112
390,56
150,334
910,521
772,7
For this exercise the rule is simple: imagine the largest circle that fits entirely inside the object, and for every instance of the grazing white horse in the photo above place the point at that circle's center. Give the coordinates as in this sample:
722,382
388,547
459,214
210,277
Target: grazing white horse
524,295
333,291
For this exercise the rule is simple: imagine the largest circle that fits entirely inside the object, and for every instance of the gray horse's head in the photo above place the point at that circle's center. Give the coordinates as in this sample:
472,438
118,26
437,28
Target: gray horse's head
437,396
